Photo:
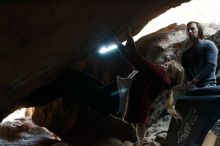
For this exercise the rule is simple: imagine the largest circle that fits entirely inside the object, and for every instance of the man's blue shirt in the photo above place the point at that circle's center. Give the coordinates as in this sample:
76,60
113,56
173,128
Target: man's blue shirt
200,61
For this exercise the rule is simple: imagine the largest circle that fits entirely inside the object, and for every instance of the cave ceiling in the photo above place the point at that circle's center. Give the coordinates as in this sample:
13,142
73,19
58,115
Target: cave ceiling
40,37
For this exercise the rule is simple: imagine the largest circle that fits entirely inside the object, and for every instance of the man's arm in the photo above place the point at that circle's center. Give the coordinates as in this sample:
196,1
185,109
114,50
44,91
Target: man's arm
211,61
132,56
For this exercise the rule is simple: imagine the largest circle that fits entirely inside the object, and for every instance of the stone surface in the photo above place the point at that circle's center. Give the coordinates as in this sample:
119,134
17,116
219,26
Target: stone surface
71,121
39,37
24,132
81,125
164,44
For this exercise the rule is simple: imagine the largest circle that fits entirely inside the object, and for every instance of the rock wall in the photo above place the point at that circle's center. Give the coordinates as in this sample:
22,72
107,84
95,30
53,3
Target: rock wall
164,44
39,37
167,43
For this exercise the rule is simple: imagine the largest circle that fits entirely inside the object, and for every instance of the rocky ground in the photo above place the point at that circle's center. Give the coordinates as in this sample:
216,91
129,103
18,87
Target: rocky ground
23,131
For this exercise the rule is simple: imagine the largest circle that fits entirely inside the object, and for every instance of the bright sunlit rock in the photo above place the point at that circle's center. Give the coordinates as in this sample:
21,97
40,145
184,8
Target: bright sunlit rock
203,11
16,114
20,113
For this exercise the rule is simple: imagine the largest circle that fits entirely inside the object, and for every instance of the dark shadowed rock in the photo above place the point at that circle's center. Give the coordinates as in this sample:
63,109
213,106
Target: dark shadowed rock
38,38
82,126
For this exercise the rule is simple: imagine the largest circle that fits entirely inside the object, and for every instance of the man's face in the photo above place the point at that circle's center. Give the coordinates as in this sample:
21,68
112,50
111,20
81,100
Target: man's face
192,31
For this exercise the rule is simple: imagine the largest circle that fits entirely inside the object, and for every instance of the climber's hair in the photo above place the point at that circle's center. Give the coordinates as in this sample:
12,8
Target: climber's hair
176,73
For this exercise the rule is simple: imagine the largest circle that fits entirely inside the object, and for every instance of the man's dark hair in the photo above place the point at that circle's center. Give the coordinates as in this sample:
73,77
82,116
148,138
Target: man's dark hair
199,26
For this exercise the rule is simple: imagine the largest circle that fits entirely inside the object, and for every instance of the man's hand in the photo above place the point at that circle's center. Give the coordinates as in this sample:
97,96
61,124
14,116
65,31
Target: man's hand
191,84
